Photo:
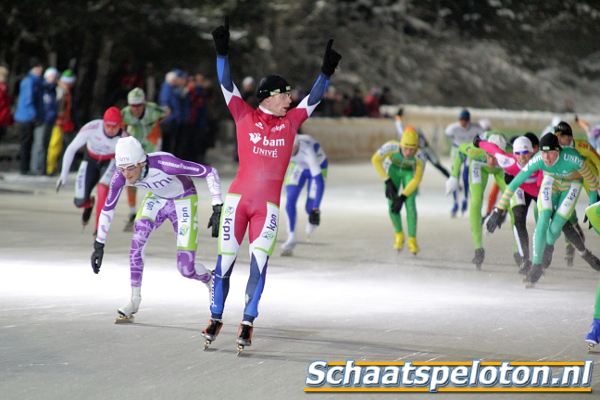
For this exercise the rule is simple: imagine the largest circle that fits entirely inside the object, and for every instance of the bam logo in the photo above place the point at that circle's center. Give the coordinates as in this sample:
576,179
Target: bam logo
260,125
254,137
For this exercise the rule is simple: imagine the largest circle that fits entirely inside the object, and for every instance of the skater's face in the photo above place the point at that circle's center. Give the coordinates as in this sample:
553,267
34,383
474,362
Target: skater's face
131,172
565,140
550,157
408,153
523,157
463,122
278,103
137,110
111,130
491,161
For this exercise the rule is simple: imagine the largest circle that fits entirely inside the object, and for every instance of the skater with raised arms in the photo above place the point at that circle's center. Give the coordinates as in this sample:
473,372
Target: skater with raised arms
265,137
171,195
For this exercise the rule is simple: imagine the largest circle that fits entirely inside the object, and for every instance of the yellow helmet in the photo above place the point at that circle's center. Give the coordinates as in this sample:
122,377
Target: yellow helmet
410,139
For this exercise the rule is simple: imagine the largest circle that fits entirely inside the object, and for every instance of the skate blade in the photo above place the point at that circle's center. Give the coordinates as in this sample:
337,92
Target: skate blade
529,285
287,253
207,344
121,319
591,349
240,348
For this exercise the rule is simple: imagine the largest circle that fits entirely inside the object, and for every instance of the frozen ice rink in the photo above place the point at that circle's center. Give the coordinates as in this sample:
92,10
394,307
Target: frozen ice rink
344,295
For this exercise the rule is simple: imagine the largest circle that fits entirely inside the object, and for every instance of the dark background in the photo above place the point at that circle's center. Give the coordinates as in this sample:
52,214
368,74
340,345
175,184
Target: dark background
523,55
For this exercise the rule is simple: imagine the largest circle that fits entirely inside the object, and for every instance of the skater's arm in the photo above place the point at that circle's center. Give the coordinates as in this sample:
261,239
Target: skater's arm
214,186
592,182
380,155
413,184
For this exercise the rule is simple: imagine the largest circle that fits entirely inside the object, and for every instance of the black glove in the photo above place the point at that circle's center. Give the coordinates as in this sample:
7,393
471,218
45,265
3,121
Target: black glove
391,191
97,256
214,220
314,217
400,112
496,219
586,219
508,178
330,59
221,37
476,141
398,203
576,118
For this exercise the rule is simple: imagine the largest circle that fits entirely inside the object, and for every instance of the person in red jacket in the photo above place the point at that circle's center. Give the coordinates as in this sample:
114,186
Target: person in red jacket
265,137
6,117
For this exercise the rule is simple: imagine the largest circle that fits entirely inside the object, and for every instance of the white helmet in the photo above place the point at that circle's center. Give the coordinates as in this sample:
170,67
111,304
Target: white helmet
522,143
129,151
498,141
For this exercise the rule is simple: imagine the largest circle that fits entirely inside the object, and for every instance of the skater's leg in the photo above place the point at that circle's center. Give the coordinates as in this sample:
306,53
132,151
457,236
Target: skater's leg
231,234
262,233
293,190
102,188
477,187
466,181
520,228
396,218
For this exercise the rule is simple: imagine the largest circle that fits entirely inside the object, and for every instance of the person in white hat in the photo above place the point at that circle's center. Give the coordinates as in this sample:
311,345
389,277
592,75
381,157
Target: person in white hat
172,195
142,119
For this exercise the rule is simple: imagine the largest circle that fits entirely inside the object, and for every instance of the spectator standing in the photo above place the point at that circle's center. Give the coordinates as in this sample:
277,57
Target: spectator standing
64,127
30,111
6,117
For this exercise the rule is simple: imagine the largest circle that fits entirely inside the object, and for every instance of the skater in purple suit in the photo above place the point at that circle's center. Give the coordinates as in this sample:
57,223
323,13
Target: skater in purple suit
171,195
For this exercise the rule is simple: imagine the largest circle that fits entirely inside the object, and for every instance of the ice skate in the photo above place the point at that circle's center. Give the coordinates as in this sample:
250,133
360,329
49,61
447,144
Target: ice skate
479,257
288,247
131,307
212,331
590,259
518,259
87,212
534,276
310,228
399,244
593,336
547,256
129,223
570,254
464,207
525,269
412,245
454,210
244,336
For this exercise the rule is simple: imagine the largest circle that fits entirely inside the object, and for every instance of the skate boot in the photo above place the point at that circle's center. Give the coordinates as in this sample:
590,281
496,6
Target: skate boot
399,245
87,212
131,307
464,207
479,257
454,210
533,276
129,223
590,259
547,256
244,336
412,245
570,254
518,259
211,332
593,337
310,228
288,246
525,269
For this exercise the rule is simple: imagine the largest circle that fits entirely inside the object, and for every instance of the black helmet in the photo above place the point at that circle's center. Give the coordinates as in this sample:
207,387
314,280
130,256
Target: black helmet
563,129
270,85
549,142
534,139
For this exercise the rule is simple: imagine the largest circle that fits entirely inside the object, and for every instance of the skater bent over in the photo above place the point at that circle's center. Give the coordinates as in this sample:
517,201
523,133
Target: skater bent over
406,171
481,165
265,137
560,189
171,195
100,137
308,165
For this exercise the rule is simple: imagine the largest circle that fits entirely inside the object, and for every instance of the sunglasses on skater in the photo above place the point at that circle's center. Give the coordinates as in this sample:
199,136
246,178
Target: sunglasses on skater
128,168
521,153
284,94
